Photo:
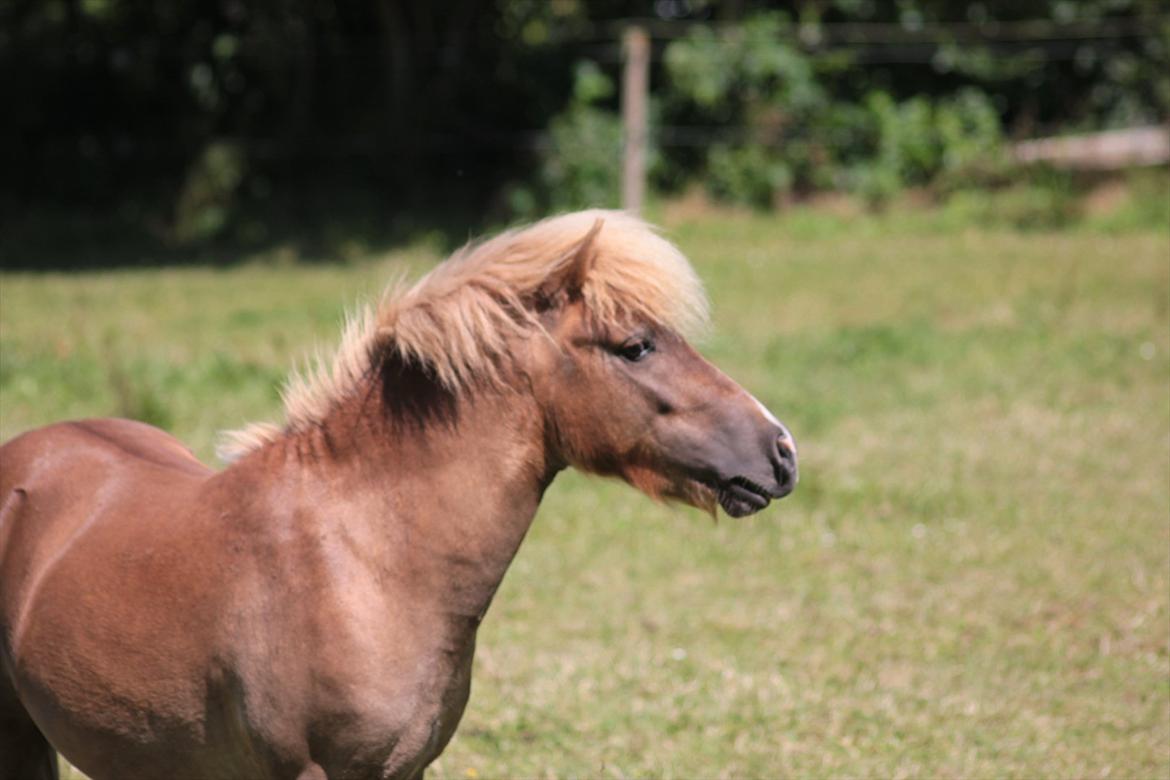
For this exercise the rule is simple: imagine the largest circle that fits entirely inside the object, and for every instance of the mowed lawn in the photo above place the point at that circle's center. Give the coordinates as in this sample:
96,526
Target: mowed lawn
971,581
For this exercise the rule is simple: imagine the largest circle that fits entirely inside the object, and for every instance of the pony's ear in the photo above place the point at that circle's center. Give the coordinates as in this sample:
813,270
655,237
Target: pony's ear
581,259
570,278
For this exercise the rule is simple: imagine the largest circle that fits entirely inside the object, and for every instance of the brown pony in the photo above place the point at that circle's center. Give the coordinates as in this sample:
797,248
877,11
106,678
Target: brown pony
311,610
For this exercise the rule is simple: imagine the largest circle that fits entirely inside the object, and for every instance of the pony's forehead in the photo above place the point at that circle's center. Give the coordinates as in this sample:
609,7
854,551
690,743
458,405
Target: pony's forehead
639,273
633,274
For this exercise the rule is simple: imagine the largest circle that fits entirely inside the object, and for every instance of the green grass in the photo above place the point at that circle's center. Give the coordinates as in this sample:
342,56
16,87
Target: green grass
972,579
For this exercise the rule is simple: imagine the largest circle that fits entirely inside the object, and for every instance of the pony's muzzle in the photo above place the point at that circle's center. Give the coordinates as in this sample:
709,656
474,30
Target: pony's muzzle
784,464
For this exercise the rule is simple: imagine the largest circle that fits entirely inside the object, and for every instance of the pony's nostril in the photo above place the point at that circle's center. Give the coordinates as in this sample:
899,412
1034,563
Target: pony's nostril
785,465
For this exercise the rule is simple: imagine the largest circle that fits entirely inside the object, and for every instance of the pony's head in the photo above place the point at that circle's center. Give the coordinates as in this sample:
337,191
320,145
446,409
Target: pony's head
623,391
589,313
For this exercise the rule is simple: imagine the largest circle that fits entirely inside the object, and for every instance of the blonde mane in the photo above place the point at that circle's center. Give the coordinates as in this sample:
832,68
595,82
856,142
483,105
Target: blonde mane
459,318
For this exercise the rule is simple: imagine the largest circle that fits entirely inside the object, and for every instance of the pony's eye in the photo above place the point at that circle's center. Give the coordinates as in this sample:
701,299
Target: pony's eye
635,349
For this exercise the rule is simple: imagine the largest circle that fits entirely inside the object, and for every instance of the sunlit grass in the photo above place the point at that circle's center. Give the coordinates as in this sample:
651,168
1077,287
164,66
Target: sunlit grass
972,579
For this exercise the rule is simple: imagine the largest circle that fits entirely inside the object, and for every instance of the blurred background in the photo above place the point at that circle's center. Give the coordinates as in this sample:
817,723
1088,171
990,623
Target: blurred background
142,132
936,236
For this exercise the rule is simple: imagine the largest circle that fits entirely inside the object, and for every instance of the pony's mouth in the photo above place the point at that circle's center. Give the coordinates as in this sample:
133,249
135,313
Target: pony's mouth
740,497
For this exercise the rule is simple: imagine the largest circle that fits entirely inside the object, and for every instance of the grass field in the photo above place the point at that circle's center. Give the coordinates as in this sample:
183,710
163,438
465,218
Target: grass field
971,581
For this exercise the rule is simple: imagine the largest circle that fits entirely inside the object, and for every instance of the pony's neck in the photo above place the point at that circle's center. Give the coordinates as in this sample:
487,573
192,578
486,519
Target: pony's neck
436,491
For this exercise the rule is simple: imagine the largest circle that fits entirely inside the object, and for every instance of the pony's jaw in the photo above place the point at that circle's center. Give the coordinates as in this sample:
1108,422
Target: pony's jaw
738,496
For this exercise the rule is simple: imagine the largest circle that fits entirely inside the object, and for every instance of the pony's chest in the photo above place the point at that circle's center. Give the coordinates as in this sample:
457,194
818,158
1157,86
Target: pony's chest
440,706
396,718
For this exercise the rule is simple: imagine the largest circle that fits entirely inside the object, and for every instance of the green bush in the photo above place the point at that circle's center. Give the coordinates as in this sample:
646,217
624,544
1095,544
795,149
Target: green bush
746,174
907,146
922,144
784,132
969,130
754,80
768,121
581,166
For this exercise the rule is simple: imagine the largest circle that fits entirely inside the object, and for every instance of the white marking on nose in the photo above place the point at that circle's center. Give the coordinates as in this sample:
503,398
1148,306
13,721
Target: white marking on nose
767,414
785,434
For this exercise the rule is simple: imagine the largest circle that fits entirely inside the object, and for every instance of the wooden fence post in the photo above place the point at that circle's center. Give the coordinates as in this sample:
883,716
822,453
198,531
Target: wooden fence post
635,84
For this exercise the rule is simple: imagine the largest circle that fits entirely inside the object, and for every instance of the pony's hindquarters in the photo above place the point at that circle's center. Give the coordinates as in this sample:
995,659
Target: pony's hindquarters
25,754
74,638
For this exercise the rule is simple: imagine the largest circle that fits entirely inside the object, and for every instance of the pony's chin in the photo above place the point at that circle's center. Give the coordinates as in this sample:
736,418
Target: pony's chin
695,493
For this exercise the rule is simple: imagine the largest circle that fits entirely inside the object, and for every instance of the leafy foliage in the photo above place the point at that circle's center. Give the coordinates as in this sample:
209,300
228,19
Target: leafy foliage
118,115
579,165
796,136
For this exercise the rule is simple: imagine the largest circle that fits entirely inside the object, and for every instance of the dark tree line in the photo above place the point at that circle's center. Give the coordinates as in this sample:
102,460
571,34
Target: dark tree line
140,112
